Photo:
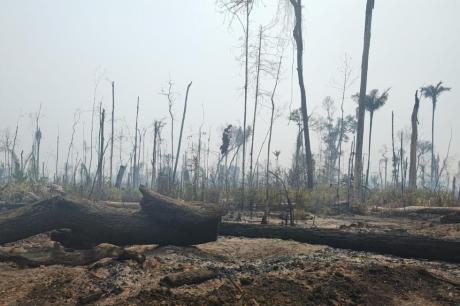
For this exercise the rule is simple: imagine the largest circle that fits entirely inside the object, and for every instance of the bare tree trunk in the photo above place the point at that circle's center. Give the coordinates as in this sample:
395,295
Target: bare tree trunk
432,146
413,145
401,154
297,4
172,130
267,171
369,149
361,108
386,168
454,187
180,134
101,152
350,170
111,137
92,130
395,173
134,170
346,76
121,173
251,174
56,175
76,118
246,72
156,131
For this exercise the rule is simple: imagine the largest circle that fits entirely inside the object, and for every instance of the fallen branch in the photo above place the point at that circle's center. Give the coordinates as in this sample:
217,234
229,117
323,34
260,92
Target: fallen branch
187,278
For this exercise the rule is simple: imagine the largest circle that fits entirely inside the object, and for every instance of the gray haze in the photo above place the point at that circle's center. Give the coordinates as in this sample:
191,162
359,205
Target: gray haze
53,51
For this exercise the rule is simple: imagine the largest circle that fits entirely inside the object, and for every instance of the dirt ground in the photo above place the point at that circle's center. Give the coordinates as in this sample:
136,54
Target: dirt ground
249,272
246,272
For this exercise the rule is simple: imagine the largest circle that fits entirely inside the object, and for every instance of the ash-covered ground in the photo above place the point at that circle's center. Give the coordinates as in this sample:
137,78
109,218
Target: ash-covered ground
245,272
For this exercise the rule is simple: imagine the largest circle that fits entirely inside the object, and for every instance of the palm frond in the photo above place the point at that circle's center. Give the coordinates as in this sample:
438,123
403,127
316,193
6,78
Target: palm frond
432,92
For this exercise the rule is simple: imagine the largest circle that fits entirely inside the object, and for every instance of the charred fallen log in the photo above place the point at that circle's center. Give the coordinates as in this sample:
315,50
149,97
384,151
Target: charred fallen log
186,216
187,278
402,245
81,224
7,206
402,211
451,218
47,256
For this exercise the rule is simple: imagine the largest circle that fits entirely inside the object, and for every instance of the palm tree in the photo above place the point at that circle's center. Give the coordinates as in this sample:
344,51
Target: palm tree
433,92
372,102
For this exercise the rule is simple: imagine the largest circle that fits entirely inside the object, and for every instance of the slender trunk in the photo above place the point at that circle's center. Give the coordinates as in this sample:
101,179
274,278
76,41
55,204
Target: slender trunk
413,145
361,108
395,175
297,4
111,136
37,170
101,152
154,153
56,176
345,82
134,165
350,170
251,153
432,146
454,187
91,140
371,117
401,154
246,72
386,167
181,131
267,207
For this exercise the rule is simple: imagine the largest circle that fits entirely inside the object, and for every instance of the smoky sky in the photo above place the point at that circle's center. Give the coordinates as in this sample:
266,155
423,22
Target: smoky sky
52,53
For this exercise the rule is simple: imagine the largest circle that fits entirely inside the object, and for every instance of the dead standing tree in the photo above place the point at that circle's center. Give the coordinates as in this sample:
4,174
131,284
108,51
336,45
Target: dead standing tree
69,149
361,108
157,125
180,134
347,82
256,100
413,144
100,161
112,136
395,158
235,8
297,5
169,94
135,170
265,218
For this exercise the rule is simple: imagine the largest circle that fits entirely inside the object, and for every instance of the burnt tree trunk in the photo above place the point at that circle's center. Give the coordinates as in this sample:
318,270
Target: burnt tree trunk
402,245
83,224
298,37
357,184
413,145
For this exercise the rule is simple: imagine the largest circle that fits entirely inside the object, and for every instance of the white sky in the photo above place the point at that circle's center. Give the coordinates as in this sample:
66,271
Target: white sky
51,52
